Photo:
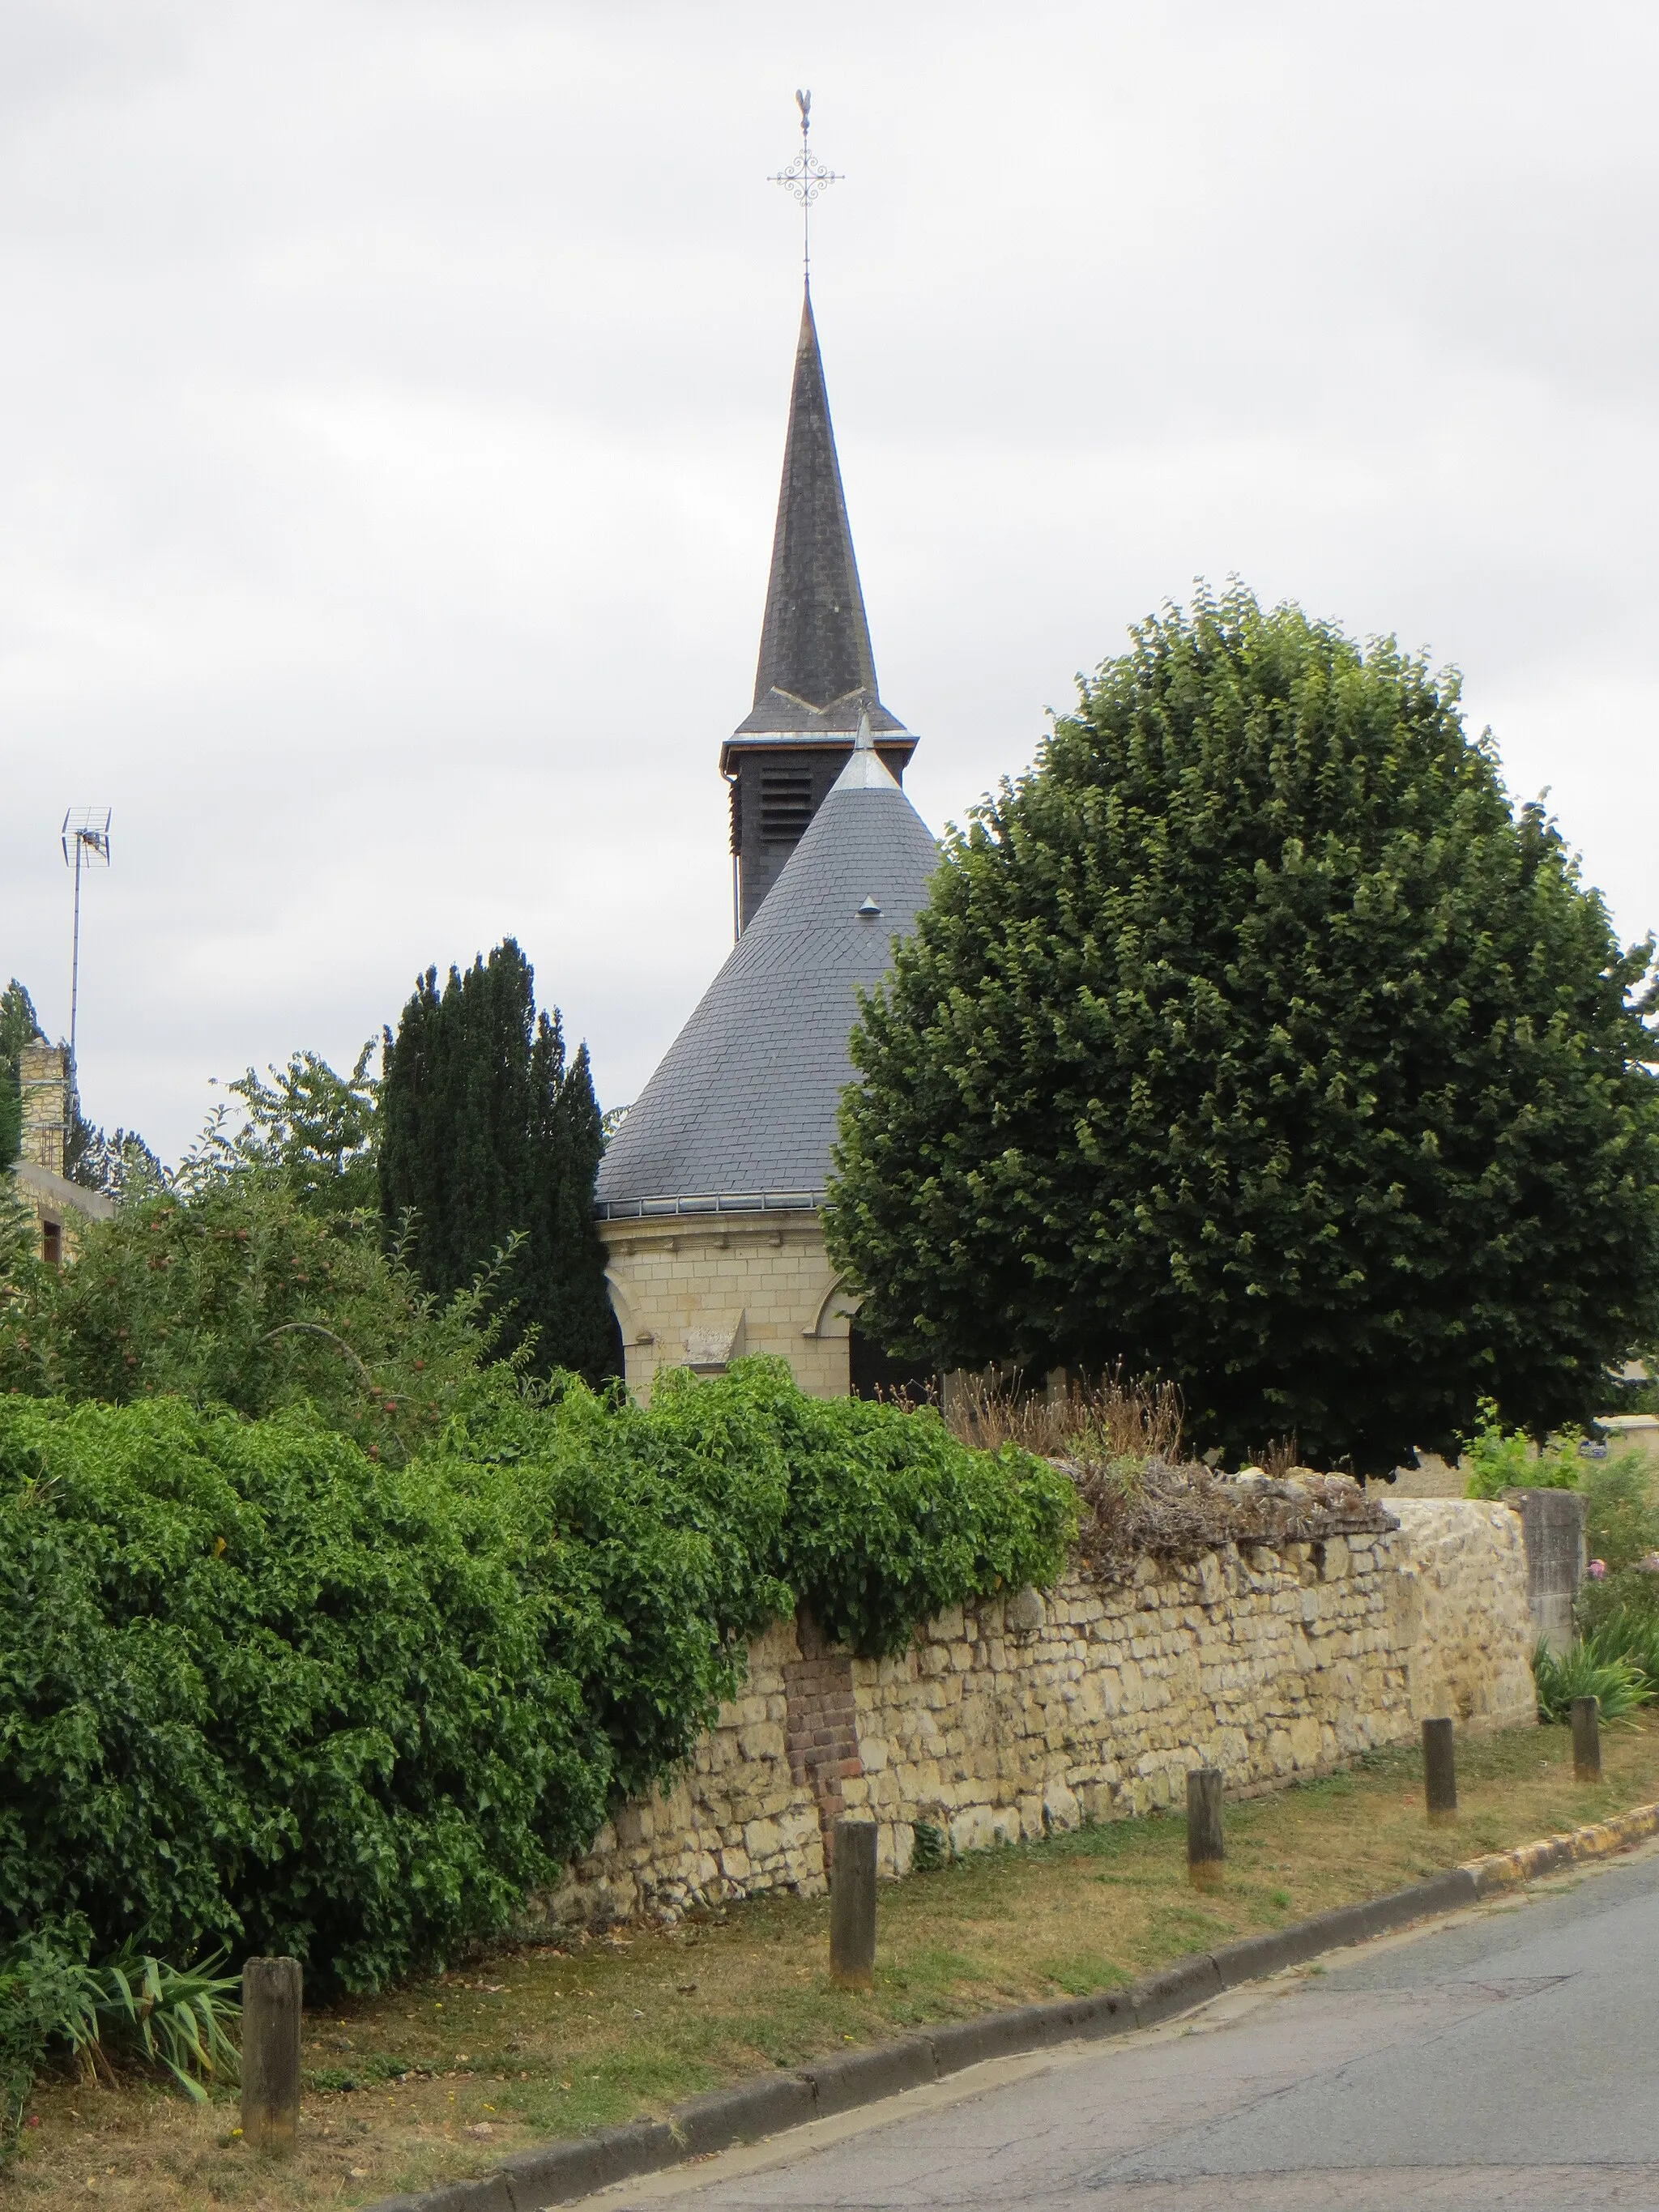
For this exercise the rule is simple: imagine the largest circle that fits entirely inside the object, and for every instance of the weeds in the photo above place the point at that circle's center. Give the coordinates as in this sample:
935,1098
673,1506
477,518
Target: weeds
1501,1459
1277,1459
178,2018
930,1849
1632,1637
1101,1423
1586,1670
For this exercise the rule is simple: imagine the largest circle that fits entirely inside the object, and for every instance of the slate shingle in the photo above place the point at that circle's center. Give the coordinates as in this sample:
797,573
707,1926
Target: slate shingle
744,1100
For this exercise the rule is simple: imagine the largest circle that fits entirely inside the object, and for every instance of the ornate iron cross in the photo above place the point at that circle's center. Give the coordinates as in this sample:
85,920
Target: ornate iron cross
805,180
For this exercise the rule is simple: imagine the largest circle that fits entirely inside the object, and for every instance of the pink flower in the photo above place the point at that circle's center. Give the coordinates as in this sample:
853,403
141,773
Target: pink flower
1598,1568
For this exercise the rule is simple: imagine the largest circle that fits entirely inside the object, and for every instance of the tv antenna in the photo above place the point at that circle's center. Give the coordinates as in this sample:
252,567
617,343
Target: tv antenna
85,845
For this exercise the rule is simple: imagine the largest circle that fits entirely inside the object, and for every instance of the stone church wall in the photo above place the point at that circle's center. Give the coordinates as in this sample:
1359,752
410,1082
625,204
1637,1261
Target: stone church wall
698,1289
1018,1715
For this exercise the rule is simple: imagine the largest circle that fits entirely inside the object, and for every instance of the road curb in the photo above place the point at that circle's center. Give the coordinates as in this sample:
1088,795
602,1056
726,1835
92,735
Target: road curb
1504,1870
563,2171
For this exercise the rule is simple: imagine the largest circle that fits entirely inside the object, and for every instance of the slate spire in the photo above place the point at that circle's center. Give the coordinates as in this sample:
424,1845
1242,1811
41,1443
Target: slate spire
815,640
816,680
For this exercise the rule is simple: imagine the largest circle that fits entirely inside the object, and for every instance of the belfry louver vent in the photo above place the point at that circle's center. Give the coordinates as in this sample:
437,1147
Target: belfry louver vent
786,804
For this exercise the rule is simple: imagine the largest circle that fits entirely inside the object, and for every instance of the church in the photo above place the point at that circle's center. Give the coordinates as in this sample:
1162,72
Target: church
708,1196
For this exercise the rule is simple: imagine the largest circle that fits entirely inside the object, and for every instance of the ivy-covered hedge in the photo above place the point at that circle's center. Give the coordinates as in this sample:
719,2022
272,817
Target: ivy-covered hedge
259,1688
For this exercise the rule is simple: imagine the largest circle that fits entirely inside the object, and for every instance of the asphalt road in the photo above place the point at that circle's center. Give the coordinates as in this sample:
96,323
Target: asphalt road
1509,2058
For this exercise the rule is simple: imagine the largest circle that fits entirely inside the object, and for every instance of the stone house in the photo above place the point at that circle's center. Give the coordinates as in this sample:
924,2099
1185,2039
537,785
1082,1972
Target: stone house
60,1206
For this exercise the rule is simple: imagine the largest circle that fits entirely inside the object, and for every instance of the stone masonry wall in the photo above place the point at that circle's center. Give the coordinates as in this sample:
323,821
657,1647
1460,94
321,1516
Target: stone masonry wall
699,1290
1468,1623
1021,1714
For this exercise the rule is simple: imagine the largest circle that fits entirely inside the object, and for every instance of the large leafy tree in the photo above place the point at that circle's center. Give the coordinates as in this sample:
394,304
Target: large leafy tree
1254,1037
486,1131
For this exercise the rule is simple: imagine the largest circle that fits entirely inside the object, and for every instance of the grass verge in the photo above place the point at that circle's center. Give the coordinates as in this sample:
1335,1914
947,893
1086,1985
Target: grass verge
442,2078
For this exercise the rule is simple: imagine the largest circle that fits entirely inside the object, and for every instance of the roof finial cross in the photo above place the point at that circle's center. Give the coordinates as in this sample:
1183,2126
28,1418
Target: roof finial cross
805,180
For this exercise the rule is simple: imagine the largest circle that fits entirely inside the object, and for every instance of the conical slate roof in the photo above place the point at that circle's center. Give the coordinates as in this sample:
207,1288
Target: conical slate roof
816,671
744,1104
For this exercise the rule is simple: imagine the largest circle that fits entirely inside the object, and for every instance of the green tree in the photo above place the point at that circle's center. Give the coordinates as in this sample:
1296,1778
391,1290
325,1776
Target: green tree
19,1242
234,1293
123,1167
1252,1037
18,1027
487,1134
316,1130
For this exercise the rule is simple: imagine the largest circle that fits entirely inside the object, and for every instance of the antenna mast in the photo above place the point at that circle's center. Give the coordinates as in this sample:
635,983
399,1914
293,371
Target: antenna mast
86,832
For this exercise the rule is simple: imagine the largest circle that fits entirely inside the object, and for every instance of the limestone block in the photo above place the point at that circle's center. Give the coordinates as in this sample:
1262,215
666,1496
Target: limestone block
971,1829
1304,1741
761,1738
762,1838
1060,1807
1025,1612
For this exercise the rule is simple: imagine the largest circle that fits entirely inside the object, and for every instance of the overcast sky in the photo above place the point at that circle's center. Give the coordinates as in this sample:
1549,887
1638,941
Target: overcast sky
392,403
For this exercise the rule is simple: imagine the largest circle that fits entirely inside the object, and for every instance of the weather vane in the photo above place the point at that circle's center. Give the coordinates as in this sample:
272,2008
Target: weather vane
805,180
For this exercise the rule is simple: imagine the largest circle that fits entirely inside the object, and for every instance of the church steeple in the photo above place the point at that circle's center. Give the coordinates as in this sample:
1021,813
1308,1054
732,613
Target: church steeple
815,641
816,678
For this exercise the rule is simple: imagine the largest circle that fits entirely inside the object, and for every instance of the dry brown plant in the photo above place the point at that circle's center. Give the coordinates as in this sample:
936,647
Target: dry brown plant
1147,1509
1279,1458
1092,1424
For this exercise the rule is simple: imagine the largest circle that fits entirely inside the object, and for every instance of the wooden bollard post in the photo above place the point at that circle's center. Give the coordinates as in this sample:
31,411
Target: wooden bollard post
1587,1738
270,2054
1439,1771
1206,1845
852,1907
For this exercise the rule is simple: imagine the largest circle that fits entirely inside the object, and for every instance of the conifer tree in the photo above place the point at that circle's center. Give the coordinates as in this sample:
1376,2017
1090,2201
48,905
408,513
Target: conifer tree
486,1131
18,1027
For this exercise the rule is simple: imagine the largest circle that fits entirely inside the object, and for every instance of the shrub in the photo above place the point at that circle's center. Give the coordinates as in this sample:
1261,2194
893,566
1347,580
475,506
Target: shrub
1621,1522
259,1690
1503,1459
239,1293
891,1519
177,2018
1585,1669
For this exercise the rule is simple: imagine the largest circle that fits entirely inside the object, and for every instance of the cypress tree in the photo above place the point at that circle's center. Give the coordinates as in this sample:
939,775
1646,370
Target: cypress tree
485,1131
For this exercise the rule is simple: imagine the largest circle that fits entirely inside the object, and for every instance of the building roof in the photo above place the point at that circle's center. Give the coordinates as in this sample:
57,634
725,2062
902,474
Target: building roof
817,673
743,1107
45,1188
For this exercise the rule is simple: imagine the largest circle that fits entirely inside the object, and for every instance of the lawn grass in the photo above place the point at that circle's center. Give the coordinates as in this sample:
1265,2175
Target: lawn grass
443,2077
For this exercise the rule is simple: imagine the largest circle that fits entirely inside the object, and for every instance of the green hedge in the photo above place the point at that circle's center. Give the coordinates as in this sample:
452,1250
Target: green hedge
259,1688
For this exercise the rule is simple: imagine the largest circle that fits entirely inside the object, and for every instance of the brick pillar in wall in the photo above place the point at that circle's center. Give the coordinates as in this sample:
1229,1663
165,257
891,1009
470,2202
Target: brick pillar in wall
821,1732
